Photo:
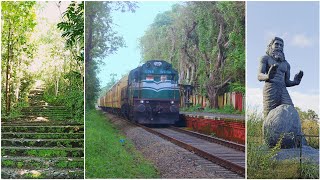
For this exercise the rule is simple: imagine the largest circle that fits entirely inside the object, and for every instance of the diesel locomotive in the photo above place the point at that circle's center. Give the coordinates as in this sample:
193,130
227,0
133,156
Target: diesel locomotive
148,95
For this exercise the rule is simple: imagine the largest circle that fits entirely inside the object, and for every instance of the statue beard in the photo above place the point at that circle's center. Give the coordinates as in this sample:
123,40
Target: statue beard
277,55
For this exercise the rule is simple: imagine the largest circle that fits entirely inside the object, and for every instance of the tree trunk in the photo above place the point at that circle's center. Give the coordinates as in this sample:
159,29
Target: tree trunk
7,91
214,90
213,97
220,58
173,44
89,47
57,87
17,91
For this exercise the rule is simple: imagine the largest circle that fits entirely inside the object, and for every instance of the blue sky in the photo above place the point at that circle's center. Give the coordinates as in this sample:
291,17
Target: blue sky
131,26
298,24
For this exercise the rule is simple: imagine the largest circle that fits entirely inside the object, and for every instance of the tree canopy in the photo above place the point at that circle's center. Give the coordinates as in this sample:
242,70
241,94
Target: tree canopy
36,49
101,40
18,22
205,41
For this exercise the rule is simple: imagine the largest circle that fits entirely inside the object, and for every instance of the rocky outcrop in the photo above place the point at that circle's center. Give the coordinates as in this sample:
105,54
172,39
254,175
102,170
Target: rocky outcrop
283,123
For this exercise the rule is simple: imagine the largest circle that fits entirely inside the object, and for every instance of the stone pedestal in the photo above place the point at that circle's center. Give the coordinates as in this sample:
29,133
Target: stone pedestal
283,123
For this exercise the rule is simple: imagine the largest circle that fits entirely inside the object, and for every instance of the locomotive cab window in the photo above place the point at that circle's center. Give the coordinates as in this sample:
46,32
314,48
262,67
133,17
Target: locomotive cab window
170,77
149,78
159,78
163,78
135,77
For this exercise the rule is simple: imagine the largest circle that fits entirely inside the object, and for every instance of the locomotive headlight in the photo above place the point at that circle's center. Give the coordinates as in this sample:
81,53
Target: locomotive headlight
141,101
172,102
147,102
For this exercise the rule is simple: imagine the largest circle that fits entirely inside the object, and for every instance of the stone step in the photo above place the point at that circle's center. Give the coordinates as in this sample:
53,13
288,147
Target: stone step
50,118
37,103
39,89
64,111
36,162
68,143
7,151
35,95
32,93
50,173
43,129
47,113
59,116
44,107
43,114
42,135
33,122
51,111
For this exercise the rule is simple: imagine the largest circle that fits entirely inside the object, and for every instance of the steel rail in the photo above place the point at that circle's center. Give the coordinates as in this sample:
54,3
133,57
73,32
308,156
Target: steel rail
211,157
216,140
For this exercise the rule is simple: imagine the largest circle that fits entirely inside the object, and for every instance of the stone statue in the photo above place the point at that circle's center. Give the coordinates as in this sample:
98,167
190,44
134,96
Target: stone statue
275,71
282,121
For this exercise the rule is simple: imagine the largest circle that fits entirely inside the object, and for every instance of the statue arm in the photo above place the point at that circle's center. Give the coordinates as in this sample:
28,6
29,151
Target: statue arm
266,73
263,74
296,80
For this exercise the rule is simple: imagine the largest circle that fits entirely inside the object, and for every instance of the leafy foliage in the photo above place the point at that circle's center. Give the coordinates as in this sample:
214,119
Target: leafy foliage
205,41
225,110
71,81
261,163
109,85
101,40
310,126
33,51
73,28
17,50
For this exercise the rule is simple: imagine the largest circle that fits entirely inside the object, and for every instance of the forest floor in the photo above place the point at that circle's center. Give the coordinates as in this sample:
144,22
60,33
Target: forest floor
42,143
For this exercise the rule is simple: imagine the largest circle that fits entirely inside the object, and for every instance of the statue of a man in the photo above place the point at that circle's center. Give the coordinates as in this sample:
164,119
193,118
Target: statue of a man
275,71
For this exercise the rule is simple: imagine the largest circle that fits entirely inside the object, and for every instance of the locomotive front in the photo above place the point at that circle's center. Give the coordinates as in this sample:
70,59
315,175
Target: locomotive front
154,93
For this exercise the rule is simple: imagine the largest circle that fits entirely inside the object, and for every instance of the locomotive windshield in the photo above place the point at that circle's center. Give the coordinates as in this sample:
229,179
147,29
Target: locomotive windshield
154,79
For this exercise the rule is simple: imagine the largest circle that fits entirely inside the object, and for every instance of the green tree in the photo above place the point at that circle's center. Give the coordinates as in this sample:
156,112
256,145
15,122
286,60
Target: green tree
109,85
101,41
72,27
18,22
204,41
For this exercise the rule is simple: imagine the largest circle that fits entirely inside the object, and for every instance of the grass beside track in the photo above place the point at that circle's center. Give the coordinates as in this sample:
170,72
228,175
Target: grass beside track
108,157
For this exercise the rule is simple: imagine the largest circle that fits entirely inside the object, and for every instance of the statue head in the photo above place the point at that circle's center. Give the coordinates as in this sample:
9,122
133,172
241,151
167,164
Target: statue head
275,49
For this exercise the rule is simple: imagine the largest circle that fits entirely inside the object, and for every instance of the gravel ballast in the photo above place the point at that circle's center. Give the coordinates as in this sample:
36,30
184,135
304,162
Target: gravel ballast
170,160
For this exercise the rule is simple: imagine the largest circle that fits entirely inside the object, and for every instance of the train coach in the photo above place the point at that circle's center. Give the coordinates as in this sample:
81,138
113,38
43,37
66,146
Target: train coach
148,95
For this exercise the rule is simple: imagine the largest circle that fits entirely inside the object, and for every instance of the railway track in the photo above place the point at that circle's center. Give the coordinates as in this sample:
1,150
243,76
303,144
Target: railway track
224,153
212,139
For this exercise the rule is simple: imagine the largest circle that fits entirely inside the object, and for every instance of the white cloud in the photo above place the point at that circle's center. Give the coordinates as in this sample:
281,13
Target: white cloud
303,101
298,39
301,40
271,34
254,99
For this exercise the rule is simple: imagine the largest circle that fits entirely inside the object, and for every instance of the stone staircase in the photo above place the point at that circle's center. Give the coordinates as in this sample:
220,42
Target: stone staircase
43,143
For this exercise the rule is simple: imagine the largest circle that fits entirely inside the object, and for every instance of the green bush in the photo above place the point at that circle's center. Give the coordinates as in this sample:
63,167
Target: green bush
228,109
261,163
